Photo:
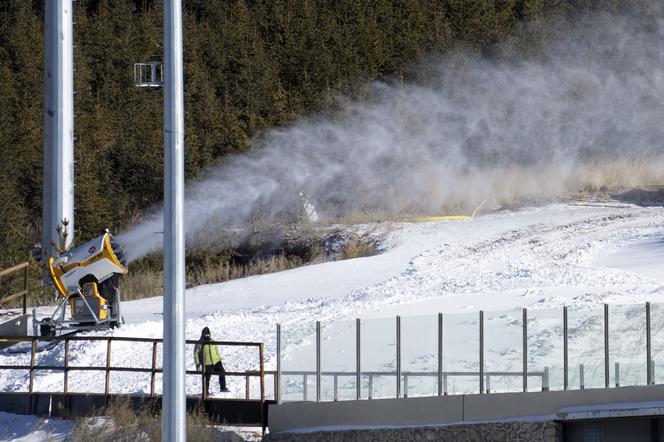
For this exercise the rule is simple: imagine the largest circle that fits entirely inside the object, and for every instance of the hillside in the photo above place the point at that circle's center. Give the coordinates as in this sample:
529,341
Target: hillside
249,65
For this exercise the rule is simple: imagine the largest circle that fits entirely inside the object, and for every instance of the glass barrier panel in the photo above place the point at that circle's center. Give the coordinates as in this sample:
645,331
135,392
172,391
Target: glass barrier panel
419,356
378,358
545,350
585,328
338,361
298,362
461,363
503,351
657,342
627,345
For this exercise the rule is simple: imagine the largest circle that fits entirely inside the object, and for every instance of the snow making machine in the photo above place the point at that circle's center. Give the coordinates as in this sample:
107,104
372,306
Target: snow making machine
87,282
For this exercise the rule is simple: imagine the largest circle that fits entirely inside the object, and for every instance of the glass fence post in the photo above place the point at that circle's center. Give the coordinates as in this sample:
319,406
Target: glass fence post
440,354
582,384
649,373
525,350
278,383
398,356
358,349
481,351
565,351
606,345
317,361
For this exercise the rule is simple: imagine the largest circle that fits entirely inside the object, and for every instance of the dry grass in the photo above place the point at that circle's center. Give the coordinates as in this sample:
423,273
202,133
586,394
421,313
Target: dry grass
120,423
208,268
145,277
358,247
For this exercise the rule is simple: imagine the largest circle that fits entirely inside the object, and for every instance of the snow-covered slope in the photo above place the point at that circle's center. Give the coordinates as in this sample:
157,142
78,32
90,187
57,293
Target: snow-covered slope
575,254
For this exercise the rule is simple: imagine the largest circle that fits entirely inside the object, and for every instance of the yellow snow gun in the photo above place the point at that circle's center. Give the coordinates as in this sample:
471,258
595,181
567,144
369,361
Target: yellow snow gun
87,281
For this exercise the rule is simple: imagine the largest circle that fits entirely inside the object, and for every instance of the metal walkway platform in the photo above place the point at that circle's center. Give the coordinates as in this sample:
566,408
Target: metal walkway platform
229,411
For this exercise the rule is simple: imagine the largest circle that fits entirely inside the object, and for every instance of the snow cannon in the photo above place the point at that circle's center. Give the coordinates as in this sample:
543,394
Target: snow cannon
87,280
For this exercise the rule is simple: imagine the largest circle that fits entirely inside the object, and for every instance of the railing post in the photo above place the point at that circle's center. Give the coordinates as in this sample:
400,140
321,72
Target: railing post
649,377
525,349
277,383
25,290
606,346
336,387
370,386
358,354
405,385
33,350
398,356
261,355
445,384
565,351
203,361
153,374
481,351
317,361
582,383
440,354
108,368
66,382
246,386
488,383
617,374
305,381
545,379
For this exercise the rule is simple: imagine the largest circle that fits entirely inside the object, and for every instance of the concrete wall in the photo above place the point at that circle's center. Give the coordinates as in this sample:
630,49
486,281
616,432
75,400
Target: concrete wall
547,431
448,409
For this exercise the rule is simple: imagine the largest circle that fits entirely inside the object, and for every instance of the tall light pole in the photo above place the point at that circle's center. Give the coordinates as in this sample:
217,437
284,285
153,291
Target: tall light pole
174,399
58,172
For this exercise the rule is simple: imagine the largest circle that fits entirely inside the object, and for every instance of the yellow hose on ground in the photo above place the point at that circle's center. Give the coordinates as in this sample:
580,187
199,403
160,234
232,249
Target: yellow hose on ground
463,217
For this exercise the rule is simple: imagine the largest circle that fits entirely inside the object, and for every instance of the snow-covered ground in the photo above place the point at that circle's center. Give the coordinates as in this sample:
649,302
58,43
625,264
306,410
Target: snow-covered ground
20,428
580,254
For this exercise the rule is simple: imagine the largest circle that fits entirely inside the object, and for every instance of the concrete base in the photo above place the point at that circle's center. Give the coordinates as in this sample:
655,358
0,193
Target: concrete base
435,411
547,431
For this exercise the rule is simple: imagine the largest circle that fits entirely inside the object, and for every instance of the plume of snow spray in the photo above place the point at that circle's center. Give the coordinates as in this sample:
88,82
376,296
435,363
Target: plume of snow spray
587,115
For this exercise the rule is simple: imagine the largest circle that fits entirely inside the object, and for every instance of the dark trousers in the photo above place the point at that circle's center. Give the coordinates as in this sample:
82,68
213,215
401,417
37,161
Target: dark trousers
217,368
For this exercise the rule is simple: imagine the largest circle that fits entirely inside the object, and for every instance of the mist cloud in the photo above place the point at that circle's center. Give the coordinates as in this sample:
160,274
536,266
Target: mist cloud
589,114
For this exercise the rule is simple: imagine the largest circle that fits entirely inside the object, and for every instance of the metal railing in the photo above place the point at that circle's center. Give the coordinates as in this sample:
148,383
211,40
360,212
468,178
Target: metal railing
597,334
33,367
405,375
7,295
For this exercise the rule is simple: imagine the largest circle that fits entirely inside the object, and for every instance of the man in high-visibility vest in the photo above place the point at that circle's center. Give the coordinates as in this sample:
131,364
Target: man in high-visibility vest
208,355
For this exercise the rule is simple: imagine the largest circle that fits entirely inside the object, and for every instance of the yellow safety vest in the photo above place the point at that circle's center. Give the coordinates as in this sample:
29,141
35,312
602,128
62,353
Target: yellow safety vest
211,353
